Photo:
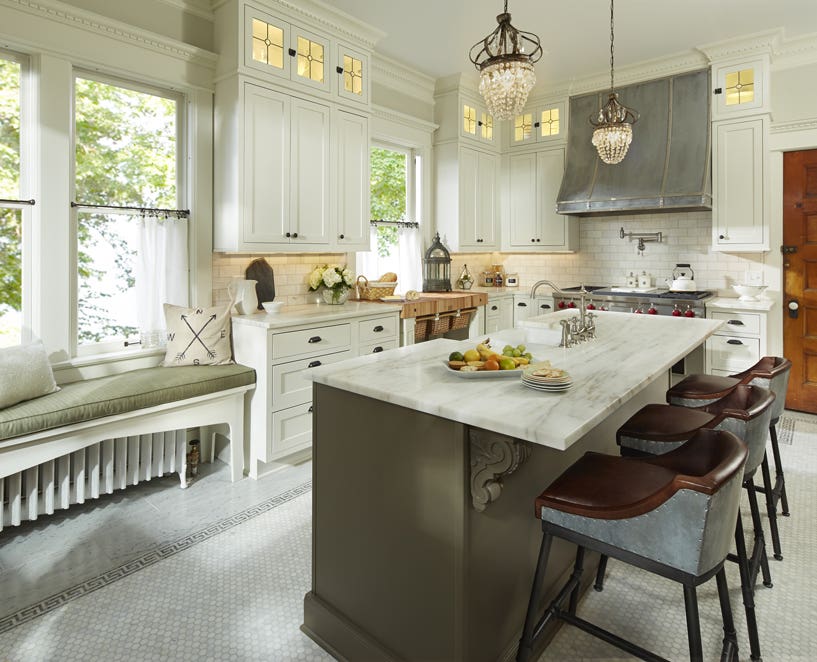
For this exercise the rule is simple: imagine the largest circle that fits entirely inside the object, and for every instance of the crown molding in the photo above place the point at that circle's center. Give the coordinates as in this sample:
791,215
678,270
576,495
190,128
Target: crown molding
383,113
324,16
758,43
200,8
90,22
796,52
794,126
400,78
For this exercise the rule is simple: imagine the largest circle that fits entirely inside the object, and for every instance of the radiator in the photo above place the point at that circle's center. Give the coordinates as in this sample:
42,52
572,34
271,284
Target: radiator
112,464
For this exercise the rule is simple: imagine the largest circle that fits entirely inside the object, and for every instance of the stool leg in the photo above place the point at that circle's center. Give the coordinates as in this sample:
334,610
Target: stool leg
599,585
746,589
759,546
780,479
730,637
696,650
525,643
578,569
771,509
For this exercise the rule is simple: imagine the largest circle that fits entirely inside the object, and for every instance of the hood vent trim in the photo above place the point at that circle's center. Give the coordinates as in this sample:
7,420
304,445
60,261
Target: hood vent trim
668,167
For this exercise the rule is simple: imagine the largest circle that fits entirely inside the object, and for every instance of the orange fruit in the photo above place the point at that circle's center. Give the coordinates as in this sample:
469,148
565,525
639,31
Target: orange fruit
490,364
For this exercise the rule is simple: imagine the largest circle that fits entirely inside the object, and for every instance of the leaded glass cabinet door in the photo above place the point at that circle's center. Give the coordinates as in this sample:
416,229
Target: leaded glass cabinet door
352,70
266,43
311,59
740,87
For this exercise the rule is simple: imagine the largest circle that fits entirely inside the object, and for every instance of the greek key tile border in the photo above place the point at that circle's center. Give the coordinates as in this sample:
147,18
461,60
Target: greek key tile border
154,556
785,430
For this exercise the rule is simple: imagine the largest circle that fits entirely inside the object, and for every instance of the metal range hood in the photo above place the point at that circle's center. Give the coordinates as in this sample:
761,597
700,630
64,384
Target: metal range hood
668,165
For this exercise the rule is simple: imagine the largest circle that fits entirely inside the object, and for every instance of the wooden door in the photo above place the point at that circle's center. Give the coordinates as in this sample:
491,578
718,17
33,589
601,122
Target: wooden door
800,277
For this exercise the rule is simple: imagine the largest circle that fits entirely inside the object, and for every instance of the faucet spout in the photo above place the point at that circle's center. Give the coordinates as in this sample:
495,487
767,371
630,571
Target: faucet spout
549,283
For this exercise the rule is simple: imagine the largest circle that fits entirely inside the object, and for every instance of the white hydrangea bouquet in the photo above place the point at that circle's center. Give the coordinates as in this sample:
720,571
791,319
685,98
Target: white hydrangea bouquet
336,282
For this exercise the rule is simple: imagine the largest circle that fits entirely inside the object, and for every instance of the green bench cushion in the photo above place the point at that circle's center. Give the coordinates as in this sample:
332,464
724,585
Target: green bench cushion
116,394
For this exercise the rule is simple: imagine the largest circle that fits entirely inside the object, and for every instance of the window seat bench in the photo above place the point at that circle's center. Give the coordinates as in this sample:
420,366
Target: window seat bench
101,434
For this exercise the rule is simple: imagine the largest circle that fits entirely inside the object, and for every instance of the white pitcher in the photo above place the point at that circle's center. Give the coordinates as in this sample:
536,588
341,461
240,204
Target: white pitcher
244,296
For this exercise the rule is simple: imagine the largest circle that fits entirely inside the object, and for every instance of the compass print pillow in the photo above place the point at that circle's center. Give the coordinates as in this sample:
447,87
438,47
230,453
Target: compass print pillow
197,336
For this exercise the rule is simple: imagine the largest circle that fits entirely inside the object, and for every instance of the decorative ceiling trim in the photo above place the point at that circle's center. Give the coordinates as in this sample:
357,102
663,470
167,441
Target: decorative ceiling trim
79,18
758,43
400,78
326,17
794,126
383,113
796,52
200,8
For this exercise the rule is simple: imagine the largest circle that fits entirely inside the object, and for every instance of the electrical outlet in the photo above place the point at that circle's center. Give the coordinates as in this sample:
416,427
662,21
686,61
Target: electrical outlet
754,278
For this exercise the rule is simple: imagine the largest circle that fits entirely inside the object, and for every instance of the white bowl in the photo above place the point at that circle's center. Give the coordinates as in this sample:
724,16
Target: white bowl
749,292
273,307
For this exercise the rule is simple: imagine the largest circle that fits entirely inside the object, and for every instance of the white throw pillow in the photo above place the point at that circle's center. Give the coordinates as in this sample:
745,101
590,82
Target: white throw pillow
198,336
25,373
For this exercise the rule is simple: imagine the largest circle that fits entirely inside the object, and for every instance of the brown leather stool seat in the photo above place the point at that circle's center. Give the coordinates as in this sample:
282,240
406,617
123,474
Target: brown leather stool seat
643,511
771,372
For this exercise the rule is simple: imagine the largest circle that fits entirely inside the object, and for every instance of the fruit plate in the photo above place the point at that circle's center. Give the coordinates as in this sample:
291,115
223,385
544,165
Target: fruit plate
484,374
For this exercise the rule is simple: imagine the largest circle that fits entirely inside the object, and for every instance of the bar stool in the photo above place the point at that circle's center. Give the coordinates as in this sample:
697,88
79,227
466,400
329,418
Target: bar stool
771,372
745,411
669,514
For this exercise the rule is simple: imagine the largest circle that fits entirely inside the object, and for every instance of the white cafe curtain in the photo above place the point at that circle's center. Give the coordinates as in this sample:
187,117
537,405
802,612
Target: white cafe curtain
161,273
405,260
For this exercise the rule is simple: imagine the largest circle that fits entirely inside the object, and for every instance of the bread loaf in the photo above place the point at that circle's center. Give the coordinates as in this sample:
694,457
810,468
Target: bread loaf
388,277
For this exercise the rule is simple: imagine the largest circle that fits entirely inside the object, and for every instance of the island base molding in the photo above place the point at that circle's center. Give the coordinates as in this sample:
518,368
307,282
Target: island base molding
403,565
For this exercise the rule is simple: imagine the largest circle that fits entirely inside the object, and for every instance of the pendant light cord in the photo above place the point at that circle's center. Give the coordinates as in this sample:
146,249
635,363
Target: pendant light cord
612,36
506,6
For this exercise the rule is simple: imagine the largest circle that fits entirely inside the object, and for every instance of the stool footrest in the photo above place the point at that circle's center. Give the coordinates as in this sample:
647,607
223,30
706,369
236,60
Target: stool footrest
609,637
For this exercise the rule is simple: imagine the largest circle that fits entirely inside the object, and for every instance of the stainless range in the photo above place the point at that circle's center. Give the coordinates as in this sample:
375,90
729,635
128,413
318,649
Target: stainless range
659,301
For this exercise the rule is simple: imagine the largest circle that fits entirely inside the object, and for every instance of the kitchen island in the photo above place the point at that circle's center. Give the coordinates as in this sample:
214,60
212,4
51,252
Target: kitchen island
424,539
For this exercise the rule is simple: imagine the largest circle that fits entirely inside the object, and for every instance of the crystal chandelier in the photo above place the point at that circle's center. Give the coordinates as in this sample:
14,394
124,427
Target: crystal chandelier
613,122
506,69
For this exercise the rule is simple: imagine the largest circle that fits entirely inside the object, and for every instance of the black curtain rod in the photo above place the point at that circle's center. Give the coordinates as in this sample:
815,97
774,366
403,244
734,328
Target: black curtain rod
144,210
399,224
4,201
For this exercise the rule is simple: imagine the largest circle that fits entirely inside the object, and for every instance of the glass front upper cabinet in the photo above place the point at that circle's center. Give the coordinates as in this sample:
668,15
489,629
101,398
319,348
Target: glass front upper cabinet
739,87
273,46
540,125
477,123
353,74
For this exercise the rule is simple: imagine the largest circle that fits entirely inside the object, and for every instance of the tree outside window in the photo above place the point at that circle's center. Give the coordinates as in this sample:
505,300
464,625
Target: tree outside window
388,194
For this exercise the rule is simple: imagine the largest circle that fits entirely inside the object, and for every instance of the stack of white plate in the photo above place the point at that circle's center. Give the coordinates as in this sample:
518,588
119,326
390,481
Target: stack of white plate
546,378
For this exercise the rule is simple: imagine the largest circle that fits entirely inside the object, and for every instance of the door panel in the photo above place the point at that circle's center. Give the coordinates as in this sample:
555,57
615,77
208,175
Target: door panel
800,277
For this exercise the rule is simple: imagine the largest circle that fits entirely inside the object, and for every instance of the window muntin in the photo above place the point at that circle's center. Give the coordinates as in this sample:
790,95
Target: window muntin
127,146
11,217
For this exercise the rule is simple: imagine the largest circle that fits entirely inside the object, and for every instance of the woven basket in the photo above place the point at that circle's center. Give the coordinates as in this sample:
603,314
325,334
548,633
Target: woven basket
437,327
374,290
420,330
461,321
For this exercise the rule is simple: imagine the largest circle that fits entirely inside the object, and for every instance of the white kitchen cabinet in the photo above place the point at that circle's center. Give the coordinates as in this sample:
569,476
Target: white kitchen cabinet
476,123
543,123
499,313
740,215
467,198
739,343
525,307
533,186
354,81
740,87
280,409
352,176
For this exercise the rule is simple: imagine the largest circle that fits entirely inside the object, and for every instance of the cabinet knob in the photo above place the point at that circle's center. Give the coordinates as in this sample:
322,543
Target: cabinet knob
494,308
287,234
292,52
339,70
294,235
377,329
733,341
314,364
340,236
377,349
311,408
532,240
538,240
314,339
536,124
479,241
721,236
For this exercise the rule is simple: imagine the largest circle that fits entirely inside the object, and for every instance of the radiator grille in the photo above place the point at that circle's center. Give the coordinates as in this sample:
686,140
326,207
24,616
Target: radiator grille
112,464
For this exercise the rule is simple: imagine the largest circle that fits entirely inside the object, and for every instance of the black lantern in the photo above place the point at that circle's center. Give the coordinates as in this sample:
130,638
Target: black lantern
437,268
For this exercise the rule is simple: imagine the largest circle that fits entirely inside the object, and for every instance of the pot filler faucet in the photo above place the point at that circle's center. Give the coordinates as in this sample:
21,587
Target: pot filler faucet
576,329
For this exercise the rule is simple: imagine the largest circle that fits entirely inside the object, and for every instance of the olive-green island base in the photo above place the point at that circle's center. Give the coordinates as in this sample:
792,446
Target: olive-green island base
404,566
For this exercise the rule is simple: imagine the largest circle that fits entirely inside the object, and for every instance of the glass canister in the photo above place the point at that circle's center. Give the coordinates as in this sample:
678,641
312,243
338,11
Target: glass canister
487,278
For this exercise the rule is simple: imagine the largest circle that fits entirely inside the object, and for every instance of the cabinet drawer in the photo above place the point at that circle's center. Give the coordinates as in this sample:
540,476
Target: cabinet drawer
376,347
738,323
311,341
733,354
375,329
291,431
290,386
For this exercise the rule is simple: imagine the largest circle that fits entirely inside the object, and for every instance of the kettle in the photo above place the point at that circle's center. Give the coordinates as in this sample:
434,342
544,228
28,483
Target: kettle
680,281
244,296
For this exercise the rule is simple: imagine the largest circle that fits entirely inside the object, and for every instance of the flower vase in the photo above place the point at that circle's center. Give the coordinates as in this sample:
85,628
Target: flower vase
336,296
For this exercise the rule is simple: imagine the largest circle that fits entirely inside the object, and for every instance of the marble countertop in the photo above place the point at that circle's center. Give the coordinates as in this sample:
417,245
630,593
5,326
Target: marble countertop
315,313
631,351
733,303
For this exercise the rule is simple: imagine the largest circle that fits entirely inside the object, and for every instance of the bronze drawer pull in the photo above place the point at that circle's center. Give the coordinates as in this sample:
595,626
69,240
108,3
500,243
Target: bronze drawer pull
733,341
314,364
735,322
377,349
314,339
377,329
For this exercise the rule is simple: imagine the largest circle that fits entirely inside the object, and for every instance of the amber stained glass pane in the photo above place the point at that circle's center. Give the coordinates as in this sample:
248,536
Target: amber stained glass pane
549,122
310,59
740,87
267,44
487,126
469,119
522,127
352,75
